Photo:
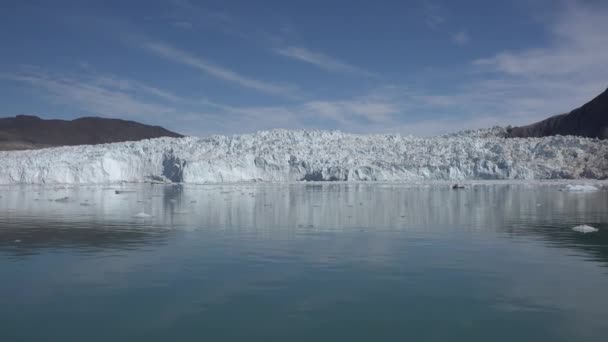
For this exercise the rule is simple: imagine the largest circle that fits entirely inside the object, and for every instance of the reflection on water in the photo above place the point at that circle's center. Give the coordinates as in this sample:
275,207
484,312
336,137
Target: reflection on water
303,262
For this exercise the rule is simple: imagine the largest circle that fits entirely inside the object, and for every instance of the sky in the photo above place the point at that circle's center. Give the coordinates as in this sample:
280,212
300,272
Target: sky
228,67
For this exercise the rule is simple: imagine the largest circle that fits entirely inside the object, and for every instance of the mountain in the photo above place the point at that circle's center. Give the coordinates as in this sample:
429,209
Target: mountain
286,156
590,120
31,132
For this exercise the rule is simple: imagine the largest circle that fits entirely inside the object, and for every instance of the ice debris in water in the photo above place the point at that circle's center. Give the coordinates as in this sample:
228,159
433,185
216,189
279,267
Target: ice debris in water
584,229
142,215
305,155
580,188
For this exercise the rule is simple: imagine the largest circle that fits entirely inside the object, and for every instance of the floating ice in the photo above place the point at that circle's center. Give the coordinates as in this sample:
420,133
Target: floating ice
283,155
584,229
142,215
580,188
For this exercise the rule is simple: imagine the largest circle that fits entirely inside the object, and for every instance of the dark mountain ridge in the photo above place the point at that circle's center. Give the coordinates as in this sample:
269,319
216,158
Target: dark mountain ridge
590,120
30,132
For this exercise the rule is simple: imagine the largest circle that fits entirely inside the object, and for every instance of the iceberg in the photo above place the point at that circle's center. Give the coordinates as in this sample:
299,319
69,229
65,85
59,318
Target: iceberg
580,188
584,229
142,215
312,155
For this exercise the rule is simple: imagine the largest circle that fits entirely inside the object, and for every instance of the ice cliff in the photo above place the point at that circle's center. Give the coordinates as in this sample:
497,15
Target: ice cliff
282,155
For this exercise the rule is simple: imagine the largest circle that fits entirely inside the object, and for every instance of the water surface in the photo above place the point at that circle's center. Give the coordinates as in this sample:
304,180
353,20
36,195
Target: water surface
303,262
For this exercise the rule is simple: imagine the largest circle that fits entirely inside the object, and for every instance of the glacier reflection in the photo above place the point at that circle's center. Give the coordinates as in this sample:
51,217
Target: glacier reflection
511,208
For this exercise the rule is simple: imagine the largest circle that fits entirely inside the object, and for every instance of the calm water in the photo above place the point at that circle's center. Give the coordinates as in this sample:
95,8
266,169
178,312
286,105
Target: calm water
305,262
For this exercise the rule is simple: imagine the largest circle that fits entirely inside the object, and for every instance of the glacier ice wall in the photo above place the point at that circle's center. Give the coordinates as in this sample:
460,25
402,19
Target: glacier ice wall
283,155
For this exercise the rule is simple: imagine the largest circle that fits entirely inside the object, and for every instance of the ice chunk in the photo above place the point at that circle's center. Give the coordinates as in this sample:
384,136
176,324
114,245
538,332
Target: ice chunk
584,229
580,188
142,215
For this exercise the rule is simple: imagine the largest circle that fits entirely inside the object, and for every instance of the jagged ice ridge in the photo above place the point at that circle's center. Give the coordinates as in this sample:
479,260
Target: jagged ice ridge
284,155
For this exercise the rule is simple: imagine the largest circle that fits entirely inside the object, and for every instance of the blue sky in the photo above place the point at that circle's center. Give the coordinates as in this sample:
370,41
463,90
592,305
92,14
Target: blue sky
205,67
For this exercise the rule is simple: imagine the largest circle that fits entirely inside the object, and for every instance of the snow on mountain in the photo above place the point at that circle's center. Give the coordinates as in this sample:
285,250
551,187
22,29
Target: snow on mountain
282,155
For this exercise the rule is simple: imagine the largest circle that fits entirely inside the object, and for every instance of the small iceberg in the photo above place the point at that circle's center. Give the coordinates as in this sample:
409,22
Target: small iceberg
580,188
142,215
584,229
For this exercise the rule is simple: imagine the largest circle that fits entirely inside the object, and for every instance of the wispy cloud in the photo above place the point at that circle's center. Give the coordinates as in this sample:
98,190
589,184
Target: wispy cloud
114,82
567,71
322,61
461,38
356,114
508,87
221,73
520,86
183,24
98,95
579,48
433,15
436,18
203,13
200,15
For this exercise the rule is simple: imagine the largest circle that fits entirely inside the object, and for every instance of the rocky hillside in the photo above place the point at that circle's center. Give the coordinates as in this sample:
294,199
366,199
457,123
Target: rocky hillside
31,132
590,120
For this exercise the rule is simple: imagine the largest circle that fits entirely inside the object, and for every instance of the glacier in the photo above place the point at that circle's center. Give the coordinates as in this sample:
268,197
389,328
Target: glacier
312,155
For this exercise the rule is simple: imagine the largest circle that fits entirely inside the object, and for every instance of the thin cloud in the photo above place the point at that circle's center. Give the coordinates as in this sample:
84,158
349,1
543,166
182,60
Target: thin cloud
461,38
221,73
358,114
98,95
322,61
182,24
579,48
558,77
436,18
134,86
510,87
433,15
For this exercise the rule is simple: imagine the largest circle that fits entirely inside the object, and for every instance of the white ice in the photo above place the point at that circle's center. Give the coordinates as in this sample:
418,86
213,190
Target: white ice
284,156
142,215
580,188
584,229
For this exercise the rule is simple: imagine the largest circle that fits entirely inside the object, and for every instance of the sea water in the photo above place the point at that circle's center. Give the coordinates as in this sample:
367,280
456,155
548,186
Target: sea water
303,262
